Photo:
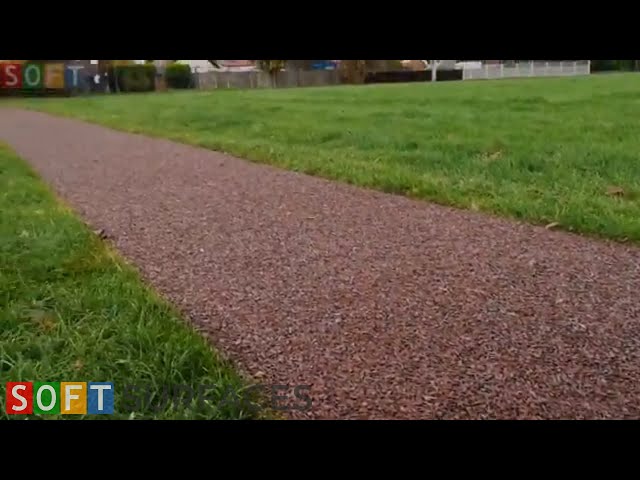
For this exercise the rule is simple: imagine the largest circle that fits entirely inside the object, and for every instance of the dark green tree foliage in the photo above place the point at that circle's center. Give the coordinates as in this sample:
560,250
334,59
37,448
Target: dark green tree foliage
613,65
178,76
132,78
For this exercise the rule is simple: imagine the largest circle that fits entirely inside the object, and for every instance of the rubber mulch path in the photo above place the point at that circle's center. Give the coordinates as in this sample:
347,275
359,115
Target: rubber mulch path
388,307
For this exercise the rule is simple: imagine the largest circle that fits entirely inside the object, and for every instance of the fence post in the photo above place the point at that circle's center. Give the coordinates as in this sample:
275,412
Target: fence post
532,68
546,68
215,80
486,71
561,68
575,68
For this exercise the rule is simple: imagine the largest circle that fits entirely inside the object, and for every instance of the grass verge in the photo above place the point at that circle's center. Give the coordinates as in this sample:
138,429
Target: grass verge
71,310
558,150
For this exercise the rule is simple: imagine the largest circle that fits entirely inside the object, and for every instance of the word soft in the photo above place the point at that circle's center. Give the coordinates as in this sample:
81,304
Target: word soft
55,398
36,76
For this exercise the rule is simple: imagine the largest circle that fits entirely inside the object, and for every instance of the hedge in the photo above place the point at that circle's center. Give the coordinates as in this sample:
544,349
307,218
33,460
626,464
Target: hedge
610,65
178,75
132,78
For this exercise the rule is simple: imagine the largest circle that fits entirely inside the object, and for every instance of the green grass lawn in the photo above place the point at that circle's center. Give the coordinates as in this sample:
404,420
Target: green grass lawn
542,150
71,310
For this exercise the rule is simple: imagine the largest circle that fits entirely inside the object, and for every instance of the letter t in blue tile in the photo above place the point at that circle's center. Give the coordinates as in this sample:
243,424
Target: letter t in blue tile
100,397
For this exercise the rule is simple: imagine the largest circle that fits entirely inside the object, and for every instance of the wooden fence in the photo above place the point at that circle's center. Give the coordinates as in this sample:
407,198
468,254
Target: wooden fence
258,79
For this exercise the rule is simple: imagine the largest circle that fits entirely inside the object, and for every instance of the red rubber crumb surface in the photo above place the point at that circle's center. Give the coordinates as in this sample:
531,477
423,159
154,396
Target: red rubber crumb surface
388,307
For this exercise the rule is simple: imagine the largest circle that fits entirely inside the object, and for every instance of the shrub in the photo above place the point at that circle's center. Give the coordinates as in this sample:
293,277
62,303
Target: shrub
133,78
610,65
178,75
626,64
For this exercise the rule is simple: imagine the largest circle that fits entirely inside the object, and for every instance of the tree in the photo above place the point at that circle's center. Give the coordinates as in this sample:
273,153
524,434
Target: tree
353,71
107,66
103,69
272,67
382,65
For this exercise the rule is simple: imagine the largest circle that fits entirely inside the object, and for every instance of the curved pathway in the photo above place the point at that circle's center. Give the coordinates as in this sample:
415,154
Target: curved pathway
388,307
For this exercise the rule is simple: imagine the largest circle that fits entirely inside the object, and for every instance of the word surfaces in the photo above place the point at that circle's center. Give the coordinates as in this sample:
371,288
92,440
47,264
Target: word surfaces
54,398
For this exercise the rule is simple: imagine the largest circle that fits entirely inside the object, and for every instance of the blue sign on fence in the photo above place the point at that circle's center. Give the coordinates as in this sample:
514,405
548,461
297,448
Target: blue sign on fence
327,65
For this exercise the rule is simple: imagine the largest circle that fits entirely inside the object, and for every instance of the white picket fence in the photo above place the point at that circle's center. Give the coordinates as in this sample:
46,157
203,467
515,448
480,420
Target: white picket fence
528,69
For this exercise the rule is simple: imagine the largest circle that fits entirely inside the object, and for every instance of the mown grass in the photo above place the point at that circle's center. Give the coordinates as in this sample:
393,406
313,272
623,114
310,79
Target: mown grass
71,310
541,150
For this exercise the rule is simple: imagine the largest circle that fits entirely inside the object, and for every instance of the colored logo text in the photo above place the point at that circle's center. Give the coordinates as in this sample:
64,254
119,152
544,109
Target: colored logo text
55,398
37,76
